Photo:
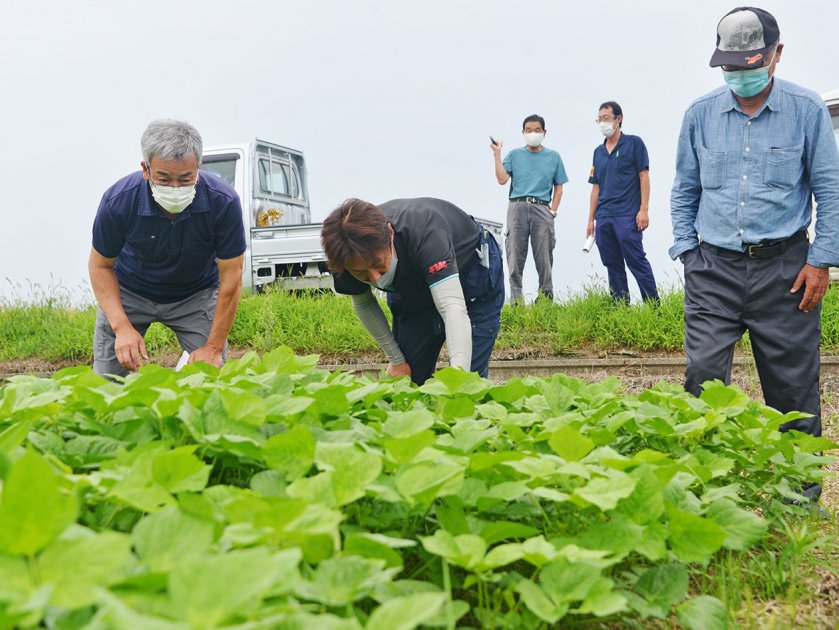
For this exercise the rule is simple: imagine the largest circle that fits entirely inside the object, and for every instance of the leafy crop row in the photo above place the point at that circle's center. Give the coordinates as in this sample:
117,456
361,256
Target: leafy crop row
273,494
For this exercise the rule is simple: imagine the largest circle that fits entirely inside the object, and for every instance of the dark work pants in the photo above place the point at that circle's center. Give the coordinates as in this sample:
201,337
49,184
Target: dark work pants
420,332
727,293
619,241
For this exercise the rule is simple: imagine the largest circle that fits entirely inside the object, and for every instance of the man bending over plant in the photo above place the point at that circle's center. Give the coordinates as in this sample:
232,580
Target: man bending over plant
167,247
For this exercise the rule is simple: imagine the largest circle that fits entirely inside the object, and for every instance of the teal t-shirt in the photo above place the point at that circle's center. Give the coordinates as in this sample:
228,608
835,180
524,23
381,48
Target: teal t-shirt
534,173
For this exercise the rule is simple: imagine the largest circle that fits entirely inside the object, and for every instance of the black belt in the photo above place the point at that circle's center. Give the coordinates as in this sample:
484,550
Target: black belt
541,202
766,249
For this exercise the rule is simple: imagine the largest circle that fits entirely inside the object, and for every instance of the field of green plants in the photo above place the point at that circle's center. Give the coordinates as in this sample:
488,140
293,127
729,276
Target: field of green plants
272,494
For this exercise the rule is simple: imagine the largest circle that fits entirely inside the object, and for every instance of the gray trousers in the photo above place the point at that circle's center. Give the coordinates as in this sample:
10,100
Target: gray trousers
727,293
534,222
190,319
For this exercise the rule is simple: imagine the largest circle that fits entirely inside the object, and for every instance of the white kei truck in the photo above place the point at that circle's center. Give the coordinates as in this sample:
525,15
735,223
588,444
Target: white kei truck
283,245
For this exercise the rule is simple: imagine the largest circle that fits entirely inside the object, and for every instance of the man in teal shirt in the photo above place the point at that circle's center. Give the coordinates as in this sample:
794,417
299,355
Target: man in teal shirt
536,190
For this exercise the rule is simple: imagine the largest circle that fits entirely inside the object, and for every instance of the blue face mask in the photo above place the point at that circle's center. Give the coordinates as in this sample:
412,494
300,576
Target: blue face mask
747,83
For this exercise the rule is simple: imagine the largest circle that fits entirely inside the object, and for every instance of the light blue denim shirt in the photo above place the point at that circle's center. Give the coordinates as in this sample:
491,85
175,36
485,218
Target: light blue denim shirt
742,180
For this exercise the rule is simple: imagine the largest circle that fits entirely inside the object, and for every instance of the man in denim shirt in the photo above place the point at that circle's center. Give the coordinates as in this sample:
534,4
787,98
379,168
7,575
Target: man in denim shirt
751,156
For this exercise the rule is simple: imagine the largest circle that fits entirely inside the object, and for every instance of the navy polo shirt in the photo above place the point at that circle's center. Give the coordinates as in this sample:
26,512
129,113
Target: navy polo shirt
162,259
617,174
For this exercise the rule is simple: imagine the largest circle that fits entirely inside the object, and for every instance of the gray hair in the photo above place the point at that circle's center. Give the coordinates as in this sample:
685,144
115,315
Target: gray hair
171,140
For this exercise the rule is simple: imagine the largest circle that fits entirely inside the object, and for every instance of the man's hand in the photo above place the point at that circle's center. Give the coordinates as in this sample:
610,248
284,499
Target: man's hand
401,369
590,228
207,354
130,348
642,219
815,281
496,147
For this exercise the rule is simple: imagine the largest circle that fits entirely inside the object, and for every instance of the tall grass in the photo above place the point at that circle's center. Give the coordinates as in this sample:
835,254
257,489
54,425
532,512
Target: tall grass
51,330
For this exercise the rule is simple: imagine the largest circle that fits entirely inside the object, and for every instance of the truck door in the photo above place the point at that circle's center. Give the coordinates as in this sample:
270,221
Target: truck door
279,192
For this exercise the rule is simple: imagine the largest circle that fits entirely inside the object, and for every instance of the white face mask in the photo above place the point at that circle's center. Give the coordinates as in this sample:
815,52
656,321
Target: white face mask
534,140
173,199
387,277
607,128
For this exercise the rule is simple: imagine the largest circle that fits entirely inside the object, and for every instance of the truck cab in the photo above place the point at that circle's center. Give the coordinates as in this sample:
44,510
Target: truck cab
283,245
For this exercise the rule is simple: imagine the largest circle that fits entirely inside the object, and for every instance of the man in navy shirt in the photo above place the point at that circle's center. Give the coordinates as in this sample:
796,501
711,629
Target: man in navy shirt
168,246
535,192
620,199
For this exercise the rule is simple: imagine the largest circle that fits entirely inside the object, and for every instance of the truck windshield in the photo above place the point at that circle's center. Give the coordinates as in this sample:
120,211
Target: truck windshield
223,166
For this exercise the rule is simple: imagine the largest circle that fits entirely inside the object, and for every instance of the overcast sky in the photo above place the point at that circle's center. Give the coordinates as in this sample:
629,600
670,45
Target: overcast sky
387,99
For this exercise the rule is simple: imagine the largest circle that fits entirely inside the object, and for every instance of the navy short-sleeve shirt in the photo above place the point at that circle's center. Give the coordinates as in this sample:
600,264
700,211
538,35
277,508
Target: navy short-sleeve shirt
162,259
617,174
434,240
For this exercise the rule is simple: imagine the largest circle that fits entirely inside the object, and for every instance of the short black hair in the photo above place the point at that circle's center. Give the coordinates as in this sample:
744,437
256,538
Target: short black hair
616,110
534,118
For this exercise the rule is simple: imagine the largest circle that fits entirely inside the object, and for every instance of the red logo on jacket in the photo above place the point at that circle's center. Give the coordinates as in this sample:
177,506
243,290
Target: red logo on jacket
438,266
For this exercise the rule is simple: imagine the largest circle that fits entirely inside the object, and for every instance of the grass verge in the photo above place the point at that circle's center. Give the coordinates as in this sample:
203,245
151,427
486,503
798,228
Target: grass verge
326,324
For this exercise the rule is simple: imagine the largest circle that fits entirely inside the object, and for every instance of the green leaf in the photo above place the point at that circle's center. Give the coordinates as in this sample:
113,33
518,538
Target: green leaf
605,493
662,587
742,528
167,537
602,600
403,424
720,397
565,581
558,396
404,450
703,613
13,436
243,406
209,590
513,390
377,546
646,503
653,543
342,580
693,538
457,380
406,613
538,602
497,531
291,453
465,550
179,470
570,444
77,567
425,481
332,401
34,509
459,407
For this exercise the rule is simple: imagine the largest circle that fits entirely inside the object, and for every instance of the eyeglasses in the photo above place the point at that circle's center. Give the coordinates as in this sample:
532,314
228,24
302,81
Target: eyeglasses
601,119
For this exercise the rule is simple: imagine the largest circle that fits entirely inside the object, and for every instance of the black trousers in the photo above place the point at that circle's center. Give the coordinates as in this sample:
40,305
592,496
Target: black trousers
420,332
727,293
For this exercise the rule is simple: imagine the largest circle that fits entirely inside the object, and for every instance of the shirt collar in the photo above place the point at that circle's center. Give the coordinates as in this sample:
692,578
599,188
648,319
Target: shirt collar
772,103
620,142
149,208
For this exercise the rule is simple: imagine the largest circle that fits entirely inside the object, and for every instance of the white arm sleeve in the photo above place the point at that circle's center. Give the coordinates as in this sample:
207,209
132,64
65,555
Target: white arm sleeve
373,318
449,300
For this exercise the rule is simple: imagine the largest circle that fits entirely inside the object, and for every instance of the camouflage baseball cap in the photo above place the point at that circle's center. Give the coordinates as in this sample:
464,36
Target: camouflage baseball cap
744,38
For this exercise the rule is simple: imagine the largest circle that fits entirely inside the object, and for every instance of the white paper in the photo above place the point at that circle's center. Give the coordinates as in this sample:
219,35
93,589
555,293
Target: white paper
182,361
588,244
